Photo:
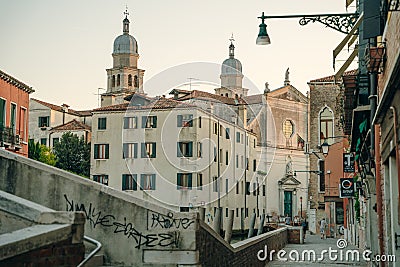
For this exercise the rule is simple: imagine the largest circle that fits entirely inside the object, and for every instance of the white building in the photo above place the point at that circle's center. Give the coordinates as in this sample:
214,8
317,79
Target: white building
43,117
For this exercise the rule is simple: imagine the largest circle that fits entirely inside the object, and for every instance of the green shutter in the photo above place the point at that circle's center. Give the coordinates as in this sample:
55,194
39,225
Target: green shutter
141,181
178,150
153,181
135,149
190,181
126,123
178,180
107,151
124,176
143,150
144,119
134,176
190,148
154,150
191,120
2,113
124,150
179,121
155,122
96,151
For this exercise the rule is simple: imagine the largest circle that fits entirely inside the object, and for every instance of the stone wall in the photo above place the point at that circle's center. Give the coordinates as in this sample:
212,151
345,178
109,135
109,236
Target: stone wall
63,253
214,251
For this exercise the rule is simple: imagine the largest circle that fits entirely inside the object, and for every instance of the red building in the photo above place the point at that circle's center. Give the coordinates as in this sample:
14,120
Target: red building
14,107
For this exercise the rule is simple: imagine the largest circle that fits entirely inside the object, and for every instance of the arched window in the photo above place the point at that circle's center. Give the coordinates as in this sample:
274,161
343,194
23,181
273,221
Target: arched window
129,80
136,81
113,81
326,125
226,95
288,129
118,80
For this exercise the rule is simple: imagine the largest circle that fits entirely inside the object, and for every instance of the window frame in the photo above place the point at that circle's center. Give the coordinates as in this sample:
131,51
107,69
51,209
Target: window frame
184,181
131,122
129,182
150,179
102,123
98,152
149,150
184,149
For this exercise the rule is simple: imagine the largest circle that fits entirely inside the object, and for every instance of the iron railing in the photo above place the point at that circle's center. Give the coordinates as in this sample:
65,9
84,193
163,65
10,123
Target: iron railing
9,136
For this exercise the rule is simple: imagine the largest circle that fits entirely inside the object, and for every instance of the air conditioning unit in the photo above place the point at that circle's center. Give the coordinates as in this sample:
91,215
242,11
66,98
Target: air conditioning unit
17,139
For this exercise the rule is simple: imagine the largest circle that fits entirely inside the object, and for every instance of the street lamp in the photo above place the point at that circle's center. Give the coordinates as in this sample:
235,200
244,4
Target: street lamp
325,148
341,22
263,37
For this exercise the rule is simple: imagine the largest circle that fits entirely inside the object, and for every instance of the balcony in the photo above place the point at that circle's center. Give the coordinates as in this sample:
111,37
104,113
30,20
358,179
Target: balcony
375,58
10,138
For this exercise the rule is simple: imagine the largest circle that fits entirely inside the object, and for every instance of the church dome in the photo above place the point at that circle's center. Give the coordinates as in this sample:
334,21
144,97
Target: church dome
231,65
125,44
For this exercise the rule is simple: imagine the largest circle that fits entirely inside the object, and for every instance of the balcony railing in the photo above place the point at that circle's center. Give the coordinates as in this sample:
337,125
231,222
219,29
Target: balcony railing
9,137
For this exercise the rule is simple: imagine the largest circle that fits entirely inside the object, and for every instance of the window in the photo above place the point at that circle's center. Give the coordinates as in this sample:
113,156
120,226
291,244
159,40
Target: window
237,212
215,128
254,165
184,149
288,129
149,122
242,139
199,122
226,158
118,80
321,168
101,123
185,120
22,123
237,187
101,151
215,154
226,212
129,80
326,125
43,141
220,156
199,181
102,179
226,186
221,129
184,181
136,81
199,149
254,143
237,161
44,121
3,113
237,137
113,81
130,122
227,133
263,188
147,182
148,150
247,188
13,117
56,141
241,162
247,163
130,150
215,184
129,182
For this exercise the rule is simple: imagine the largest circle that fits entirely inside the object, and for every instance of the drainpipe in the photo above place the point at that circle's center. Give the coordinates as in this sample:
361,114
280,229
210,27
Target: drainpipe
379,188
397,152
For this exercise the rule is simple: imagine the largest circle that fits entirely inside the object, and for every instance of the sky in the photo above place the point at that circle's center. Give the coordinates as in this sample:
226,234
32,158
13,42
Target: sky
63,48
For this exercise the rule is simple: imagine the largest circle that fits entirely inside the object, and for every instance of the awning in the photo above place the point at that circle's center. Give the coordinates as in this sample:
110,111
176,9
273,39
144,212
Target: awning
360,126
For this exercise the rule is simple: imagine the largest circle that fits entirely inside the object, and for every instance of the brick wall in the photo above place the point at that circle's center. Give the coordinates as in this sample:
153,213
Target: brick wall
63,253
213,252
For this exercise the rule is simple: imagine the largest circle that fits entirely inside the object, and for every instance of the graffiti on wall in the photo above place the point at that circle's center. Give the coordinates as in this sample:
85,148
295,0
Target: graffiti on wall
97,218
157,220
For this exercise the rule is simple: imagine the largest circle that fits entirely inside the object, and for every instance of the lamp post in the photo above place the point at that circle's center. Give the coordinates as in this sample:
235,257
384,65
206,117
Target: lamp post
342,22
301,207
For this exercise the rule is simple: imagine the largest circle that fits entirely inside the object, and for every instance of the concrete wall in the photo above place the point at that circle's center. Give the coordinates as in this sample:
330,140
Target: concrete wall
125,225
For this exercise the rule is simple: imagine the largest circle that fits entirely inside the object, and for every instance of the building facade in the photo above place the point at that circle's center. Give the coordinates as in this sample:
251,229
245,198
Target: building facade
14,117
48,122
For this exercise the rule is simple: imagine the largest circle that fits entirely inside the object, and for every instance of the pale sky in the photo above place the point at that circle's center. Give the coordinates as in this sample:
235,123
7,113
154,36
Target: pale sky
62,48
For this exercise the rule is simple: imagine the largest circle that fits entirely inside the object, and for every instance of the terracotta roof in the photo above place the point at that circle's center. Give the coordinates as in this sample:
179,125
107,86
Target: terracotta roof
8,78
206,95
254,99
161,103
332,77
129,97
71,126
60,109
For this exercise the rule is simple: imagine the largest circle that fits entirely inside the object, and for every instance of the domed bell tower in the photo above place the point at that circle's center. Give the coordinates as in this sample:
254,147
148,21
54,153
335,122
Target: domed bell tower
124,78
231,76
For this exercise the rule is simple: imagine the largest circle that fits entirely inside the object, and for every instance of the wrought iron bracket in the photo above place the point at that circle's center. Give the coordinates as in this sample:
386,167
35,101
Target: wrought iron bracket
340,22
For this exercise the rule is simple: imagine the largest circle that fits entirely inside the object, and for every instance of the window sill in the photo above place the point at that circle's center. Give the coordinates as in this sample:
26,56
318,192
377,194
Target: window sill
101,159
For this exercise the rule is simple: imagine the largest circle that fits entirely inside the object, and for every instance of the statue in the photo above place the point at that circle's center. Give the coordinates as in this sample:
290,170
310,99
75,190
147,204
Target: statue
287,81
